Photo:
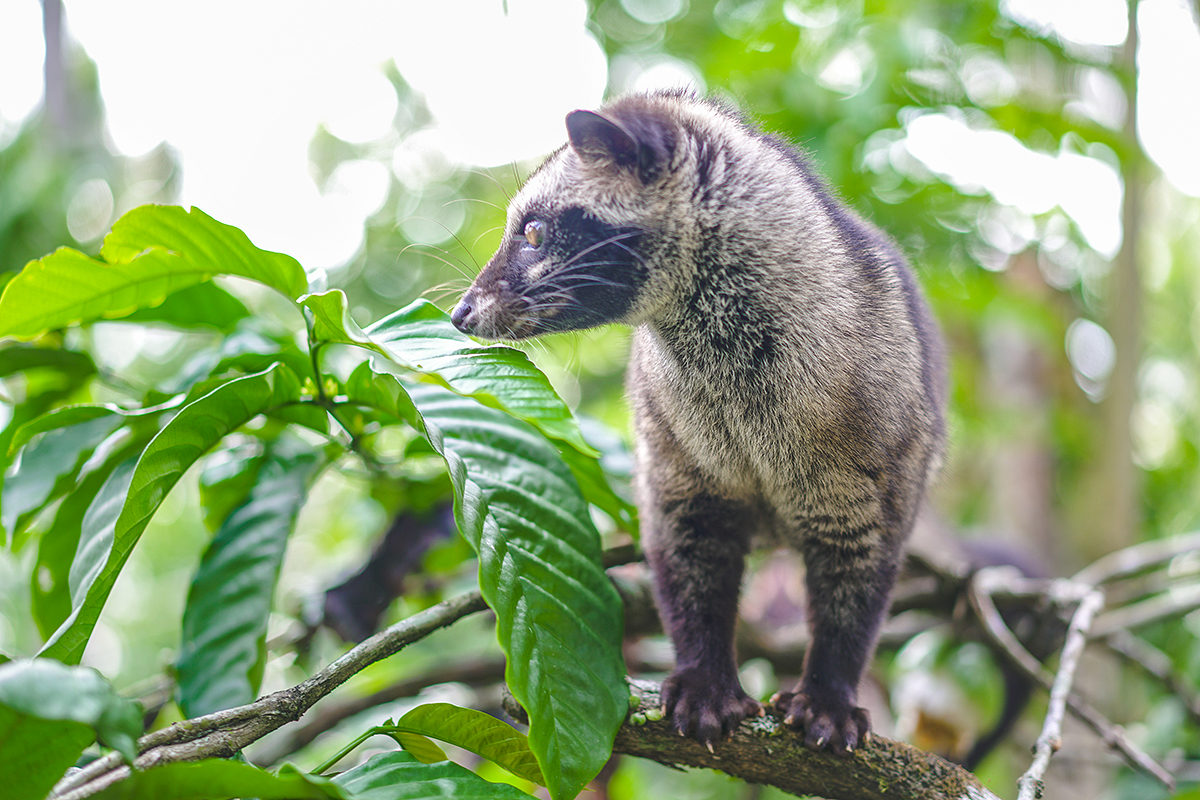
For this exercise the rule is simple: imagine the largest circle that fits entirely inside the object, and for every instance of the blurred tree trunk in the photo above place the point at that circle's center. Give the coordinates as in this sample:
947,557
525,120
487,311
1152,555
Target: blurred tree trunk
1117,516
57,90
1023,464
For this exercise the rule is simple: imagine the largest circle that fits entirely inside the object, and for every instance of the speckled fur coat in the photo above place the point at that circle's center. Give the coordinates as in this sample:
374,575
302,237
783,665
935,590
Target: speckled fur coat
785,375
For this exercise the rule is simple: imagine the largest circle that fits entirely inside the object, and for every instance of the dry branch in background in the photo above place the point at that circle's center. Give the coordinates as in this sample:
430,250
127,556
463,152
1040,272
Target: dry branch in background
1050,740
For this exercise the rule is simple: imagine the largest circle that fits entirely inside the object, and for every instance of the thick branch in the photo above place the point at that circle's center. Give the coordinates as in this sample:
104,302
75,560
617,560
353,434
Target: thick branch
763,751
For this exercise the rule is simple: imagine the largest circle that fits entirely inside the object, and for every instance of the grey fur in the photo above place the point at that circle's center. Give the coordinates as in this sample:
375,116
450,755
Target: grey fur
785,375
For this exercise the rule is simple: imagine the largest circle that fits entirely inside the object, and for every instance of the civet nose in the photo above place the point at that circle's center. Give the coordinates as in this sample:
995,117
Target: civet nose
461,315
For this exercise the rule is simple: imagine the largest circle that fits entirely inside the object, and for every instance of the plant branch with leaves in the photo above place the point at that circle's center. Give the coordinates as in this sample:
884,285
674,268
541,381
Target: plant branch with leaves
253,413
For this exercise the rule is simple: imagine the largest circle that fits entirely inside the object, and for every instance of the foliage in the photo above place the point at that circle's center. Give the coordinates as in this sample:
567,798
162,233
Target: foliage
44,702
297,433
511,447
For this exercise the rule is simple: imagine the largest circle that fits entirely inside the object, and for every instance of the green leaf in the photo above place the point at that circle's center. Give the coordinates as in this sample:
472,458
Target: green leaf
79,414
203,305
331,321
399,776
382,392
244,351
22,357
124,506
152,252
598,490
480,733
50,591
49,713
217,779
422,338
201,240
423,749
226,479
43,389
559,619
308,415
47,469
223,650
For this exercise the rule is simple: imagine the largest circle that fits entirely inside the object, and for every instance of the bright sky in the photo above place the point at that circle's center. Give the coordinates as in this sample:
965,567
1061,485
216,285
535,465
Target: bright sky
239,88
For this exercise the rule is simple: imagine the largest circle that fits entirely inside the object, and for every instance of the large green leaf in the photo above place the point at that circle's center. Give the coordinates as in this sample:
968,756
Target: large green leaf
50,593
48,468
558,616
124,506
203,305
152,252
217,779
477,732
223,651
68,416
49,713
422,338
559,619
226,479
399,776
21,357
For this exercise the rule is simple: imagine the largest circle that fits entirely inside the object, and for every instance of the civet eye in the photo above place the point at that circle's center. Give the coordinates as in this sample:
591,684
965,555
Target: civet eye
534,234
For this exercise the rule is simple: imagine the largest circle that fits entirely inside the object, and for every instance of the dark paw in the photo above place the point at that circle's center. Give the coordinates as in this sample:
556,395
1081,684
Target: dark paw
838,727
705,707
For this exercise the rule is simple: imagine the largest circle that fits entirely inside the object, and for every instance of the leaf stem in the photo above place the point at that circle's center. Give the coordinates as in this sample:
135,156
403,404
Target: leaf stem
355,444
345,751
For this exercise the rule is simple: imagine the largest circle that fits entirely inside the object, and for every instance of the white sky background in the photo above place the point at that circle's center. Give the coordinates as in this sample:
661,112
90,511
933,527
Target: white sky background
239,88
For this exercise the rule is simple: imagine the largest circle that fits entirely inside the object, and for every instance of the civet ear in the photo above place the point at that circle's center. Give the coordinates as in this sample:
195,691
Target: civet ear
599,141
642,148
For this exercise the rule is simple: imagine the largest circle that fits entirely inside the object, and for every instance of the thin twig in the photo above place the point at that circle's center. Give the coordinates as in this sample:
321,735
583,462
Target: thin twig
1173,605
226,732
325,718
1139,557
1030,784
979,595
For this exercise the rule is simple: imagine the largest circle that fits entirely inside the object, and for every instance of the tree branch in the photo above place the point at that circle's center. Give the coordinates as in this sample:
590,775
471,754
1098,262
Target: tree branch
325,717
1135,559
224,733
1180,601
1030,784
980,597
1157,664
763,751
